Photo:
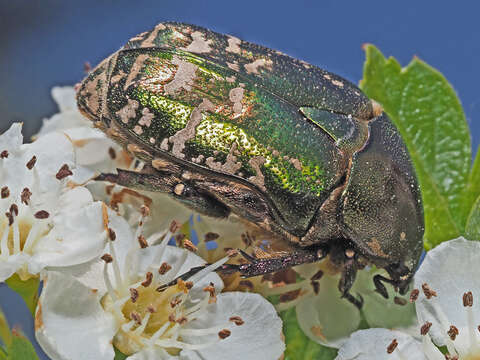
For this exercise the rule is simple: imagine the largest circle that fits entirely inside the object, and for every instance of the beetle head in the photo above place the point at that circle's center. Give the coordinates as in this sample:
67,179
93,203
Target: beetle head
92,93
381,206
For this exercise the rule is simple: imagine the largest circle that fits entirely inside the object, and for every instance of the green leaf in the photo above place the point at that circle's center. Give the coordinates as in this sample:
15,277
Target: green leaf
20,348
472,191
28,290
426,111
299,346
119,355
472,230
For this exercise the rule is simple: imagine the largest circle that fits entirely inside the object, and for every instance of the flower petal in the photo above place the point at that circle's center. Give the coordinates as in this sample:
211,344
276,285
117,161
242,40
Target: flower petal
326,318
451,269
70,323
78,234
11,139
259,337
371,344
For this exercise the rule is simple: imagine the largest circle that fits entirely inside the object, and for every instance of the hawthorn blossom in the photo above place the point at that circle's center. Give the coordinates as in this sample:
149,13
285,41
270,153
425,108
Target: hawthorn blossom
44,214
132,304
448,311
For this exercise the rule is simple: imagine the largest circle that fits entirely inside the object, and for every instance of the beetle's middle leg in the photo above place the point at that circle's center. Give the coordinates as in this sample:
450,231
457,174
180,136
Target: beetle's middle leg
261,266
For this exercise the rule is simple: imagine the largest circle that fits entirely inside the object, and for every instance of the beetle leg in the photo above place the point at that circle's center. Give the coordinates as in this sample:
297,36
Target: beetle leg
259,266
153,180
380,287
346,281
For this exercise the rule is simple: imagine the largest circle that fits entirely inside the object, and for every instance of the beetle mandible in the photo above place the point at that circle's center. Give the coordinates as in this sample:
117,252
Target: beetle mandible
230,127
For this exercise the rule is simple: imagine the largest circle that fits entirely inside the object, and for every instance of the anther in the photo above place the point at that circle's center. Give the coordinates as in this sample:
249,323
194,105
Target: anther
25,196
237,320
63,172
164,268
399,301
188,285
136,317
211,236
14,209
315,286
142,241
112,153
468,299
42,214
317,276
223,334
171,317
187,244
182,320
9,217
5,192
175,302
451,357
111,234
174,226
393,345
289,296
107,258
148,279
414,295
151,309
425,328
211,290
4,154
452,332
31,163
134,294
429,293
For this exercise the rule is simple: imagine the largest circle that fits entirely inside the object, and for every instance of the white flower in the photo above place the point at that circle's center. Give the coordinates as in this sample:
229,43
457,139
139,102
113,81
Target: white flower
448,289
93,148
46,221
190,320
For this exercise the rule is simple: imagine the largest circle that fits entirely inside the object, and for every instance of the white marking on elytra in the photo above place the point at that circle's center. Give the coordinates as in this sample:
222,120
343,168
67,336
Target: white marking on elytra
135,70
128,111
199,44
233,66
233,45
184,77
231,166
253,67
236,96
258,179
146,118
188,132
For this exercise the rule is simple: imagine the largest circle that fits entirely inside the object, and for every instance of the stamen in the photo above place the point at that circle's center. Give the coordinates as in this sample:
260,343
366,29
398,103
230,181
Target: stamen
112,153
468,299
32,236
5,251
14,209
142,242
452,332
16,238
223,334
315,286
143,325
5,192
134,295
399,301
451,357
148,279
425,328
211,290
31,163
237,320
25,196
107,258
111,234
393,345
116,269
135,316
4,154
42,214
128,326
429,293
414,295
111,292
63,172
164,268
10,218
200,332
159,333
187,244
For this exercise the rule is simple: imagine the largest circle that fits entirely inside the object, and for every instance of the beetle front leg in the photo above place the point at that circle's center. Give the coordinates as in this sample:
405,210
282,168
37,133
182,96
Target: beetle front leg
346,281
152,180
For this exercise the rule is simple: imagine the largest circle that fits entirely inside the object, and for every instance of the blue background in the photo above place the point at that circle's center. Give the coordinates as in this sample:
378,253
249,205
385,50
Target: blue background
45,43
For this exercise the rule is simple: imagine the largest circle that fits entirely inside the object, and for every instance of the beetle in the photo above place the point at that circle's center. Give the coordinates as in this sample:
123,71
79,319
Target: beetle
230,127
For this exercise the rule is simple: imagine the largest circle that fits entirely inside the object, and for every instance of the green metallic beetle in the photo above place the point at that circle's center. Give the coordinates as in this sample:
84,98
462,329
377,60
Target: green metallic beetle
226,126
